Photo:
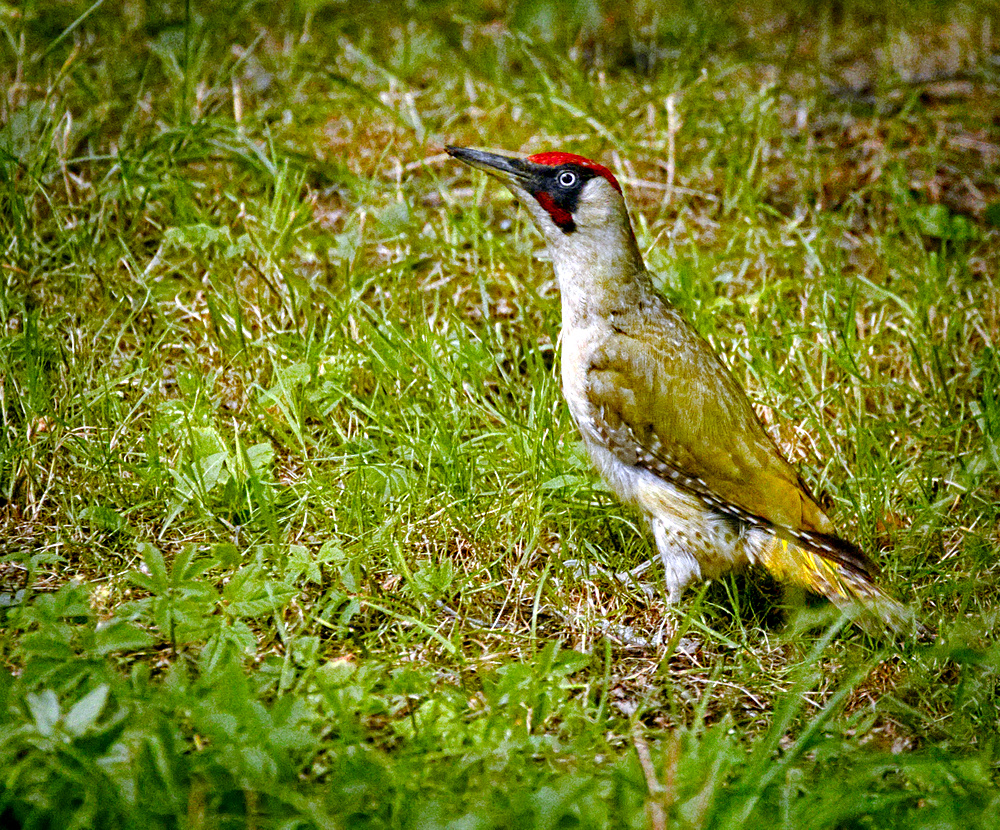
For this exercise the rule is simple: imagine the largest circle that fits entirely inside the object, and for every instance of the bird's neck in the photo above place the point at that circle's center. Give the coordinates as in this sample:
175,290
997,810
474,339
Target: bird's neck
600,274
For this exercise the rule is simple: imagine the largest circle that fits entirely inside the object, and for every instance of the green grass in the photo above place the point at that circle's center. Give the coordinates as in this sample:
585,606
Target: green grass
287,485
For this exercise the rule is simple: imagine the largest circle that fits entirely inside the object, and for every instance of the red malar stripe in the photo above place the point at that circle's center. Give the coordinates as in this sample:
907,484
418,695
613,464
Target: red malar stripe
563,218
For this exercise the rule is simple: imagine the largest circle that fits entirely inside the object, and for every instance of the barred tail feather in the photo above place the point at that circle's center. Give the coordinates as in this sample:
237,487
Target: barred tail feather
846,586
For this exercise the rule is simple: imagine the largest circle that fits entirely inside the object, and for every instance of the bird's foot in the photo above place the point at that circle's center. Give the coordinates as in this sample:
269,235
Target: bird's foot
627,636
631,578
588,570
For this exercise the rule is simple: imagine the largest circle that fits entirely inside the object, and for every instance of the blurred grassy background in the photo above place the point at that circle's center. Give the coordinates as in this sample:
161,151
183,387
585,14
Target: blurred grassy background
286,481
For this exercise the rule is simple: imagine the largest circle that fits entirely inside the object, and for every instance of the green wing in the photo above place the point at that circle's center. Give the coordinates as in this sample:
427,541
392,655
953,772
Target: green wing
679,403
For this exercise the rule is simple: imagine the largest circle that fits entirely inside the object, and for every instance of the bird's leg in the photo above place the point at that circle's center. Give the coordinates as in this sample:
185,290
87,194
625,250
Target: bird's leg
680,567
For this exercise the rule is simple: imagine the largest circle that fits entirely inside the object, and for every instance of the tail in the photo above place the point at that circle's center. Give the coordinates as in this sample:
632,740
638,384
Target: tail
836,569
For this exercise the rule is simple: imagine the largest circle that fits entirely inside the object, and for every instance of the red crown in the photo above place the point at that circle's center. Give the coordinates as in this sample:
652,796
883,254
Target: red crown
555,159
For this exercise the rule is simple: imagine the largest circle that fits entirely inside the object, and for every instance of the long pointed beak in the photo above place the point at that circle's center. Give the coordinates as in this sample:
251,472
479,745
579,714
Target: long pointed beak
512,171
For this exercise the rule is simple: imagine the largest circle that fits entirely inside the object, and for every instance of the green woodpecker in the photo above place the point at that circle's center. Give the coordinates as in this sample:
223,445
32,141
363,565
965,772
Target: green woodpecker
665,422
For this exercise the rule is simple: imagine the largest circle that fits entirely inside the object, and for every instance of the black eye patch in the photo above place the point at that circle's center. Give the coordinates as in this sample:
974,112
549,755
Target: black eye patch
558,191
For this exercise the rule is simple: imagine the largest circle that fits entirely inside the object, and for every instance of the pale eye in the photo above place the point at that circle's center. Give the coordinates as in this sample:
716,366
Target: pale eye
567,178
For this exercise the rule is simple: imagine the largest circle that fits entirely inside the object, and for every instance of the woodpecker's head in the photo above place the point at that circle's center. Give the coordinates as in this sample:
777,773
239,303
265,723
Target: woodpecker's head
575,202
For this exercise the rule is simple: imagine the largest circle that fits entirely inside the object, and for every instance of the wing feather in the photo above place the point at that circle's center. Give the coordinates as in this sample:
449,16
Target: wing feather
667,403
